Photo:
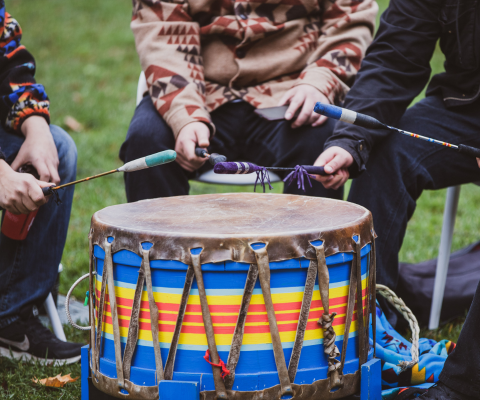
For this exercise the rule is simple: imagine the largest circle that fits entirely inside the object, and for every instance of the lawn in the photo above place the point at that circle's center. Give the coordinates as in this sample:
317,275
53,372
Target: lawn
87,61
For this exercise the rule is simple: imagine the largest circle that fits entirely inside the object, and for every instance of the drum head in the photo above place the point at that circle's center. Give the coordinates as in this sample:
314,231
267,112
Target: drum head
226,224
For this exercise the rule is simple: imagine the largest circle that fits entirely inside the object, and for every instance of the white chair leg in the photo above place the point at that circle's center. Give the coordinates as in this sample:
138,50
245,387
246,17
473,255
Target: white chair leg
54,318
449,214
141,87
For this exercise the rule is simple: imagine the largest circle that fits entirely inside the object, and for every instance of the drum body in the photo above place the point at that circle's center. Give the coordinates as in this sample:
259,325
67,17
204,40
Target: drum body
292,355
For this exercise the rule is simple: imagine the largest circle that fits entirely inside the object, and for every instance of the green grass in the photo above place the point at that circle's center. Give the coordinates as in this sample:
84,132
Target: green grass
87,61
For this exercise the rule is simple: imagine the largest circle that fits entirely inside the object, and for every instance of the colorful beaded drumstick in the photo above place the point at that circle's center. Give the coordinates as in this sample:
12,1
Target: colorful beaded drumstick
365,121
298,173
153,160
213,158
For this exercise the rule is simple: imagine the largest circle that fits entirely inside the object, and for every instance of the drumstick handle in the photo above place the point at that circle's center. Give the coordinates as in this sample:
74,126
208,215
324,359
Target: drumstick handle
199,152
471,151
313,170
349,116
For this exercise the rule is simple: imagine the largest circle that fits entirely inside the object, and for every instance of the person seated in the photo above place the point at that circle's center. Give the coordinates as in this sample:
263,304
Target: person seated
210,64
29,268
391,170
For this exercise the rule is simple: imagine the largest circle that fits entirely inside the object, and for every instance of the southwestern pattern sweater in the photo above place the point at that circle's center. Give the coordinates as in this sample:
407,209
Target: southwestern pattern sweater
200,54
20,96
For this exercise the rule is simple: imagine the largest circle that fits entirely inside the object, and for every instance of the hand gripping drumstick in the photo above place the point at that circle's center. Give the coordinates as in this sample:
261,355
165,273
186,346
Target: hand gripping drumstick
365,121
153,160
214,158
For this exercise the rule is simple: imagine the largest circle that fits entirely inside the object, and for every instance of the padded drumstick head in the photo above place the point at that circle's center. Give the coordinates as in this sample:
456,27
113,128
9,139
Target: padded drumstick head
153,160
234,168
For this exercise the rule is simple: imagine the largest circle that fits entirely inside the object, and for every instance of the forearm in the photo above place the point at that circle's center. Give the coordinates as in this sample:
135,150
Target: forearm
346,33
174,72
20,96
394,71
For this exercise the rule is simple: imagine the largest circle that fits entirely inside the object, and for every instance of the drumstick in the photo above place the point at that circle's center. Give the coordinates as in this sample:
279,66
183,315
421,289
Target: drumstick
153,160
249,168
366,121
214,158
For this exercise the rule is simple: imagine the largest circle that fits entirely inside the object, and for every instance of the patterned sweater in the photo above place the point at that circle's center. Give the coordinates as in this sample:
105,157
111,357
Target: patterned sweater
200,54
20,96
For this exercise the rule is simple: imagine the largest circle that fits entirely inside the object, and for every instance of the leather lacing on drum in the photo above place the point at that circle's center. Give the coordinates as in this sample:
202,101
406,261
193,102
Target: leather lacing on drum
261,270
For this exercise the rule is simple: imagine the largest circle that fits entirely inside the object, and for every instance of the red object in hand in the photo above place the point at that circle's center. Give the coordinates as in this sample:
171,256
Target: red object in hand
16,227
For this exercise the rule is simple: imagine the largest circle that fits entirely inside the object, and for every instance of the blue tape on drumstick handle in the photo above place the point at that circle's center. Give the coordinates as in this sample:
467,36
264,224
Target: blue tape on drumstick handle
349,116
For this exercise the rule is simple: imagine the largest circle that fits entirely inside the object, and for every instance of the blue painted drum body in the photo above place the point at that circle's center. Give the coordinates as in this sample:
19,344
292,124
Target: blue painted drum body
225,284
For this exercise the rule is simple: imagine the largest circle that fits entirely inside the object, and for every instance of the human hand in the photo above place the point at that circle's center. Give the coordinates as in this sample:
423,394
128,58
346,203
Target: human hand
192,135
38,149
304,97
478,162
20,193
336,162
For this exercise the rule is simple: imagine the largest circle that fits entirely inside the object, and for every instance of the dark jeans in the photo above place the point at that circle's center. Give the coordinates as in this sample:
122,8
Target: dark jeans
241,136
401,167
462,368
398,170
29,268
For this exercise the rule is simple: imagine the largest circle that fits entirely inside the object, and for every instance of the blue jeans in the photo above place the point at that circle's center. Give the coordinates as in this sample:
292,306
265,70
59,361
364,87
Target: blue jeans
28,268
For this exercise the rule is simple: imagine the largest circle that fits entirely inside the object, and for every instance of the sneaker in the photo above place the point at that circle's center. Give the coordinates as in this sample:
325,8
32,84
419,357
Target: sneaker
440,391
28,339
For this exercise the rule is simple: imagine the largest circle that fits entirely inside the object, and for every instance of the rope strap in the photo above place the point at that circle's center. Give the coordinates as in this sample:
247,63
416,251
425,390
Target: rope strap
412,321
221,364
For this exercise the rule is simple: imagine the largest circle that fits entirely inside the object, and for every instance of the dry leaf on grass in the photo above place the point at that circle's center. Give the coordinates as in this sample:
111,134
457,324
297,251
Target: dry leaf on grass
72,123
55,381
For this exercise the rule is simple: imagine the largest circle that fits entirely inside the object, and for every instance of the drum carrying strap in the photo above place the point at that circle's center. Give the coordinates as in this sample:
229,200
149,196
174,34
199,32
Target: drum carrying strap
144,276
237,339
207,322
132,337
91,305
302,321
373,291
355,287
362,345
326,320
101,306
108,265
178,325
261,256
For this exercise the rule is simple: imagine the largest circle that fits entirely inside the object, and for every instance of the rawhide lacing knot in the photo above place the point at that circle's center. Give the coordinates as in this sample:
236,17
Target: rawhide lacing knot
220,364
299,173
54,194
330,349
262,175
399,304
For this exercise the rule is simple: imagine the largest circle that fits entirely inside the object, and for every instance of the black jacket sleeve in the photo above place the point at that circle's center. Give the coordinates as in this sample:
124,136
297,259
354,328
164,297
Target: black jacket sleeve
395,70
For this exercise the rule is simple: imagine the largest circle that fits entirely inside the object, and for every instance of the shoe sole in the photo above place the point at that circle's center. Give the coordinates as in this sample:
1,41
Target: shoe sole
8,353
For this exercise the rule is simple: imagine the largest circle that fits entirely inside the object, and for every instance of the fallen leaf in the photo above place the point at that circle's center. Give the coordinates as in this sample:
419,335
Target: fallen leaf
72,123
55,381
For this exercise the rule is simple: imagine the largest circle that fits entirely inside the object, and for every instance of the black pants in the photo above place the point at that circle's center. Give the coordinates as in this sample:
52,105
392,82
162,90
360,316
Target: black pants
399,169
462,368
241,136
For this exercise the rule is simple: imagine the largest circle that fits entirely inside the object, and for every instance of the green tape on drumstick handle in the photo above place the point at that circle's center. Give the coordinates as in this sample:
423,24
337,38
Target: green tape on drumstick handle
153,160
150,161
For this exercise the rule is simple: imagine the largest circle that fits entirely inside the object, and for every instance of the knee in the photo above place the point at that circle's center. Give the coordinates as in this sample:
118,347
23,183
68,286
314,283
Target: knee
67,153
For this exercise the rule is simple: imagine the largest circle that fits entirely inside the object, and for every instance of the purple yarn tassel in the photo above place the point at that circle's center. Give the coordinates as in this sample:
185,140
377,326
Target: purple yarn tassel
299,174
262,174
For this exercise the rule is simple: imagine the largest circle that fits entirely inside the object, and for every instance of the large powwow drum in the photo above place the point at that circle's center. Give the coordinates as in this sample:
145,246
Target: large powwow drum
252,296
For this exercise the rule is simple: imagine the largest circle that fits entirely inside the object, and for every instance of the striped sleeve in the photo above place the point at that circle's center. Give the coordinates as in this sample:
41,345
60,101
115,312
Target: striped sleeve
20,96
347,31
